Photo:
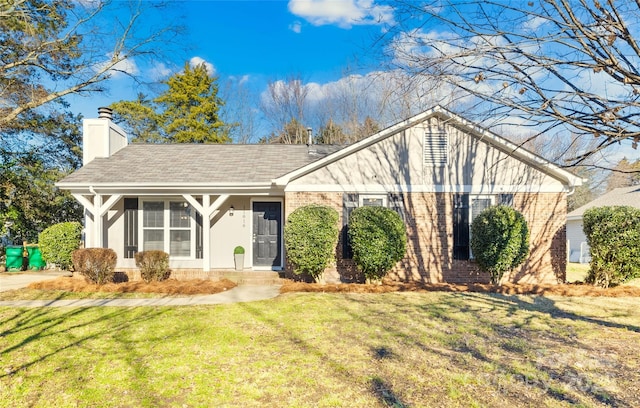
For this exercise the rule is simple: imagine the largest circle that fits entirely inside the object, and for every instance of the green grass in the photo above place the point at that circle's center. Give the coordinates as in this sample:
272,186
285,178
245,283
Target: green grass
327,350
577,272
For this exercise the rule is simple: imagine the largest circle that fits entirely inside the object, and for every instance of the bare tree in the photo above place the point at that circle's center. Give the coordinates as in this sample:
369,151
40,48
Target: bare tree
551,65
282,104
53,49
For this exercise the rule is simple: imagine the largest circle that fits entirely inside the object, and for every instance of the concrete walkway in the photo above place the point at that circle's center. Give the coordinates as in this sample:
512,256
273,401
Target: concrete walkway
239,294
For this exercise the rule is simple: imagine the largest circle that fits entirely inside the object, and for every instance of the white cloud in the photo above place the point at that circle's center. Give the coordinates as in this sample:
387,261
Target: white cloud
535,23
160,71
241,80
196,61
126,66
296,27
343,13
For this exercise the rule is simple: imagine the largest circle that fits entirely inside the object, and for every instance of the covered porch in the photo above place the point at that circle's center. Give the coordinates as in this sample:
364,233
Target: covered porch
199,229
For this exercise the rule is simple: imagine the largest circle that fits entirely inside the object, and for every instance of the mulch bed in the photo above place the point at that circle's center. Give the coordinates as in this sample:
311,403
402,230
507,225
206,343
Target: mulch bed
507,289
199,287
169,287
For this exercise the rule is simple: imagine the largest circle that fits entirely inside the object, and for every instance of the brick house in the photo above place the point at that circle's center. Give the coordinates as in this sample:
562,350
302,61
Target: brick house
436,169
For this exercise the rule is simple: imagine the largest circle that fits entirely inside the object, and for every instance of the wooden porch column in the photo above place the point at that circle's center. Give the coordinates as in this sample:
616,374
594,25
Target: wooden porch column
208,210
206,234
97,222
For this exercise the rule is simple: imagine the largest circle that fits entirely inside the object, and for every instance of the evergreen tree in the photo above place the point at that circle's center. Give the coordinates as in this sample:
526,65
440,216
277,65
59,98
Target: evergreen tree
187,112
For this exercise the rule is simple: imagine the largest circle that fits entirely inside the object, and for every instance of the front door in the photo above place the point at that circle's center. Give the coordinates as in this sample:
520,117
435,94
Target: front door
267,234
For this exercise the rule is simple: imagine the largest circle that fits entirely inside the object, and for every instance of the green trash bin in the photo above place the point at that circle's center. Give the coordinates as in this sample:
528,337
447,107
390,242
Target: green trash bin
14,258
35,258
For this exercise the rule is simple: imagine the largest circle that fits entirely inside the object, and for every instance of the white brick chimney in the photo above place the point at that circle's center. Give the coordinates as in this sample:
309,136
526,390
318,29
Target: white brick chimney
101,137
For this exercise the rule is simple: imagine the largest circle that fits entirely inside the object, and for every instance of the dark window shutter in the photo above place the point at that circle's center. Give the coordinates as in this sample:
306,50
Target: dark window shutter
199,231
396,203
461,226
349,203
130,227
505,199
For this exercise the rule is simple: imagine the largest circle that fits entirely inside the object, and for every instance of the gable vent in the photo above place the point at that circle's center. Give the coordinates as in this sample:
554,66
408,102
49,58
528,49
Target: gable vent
436,148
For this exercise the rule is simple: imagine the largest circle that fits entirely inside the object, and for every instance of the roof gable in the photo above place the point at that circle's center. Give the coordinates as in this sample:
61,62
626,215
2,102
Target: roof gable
470,128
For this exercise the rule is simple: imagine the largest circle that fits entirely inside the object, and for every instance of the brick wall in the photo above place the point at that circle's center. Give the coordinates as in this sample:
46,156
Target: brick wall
429,222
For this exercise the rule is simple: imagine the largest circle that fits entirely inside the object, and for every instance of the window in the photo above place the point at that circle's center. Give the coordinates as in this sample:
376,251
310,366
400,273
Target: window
373,201
435,148
350,202
168,226
466,208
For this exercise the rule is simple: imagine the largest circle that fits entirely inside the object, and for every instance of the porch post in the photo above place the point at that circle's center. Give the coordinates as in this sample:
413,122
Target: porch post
206,234
97,221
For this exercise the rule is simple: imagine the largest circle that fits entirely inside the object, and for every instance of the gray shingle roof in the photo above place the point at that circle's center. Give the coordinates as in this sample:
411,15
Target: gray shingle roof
193,163
620,196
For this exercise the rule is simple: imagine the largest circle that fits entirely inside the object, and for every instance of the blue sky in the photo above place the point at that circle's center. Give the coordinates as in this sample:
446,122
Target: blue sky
329,44
260,41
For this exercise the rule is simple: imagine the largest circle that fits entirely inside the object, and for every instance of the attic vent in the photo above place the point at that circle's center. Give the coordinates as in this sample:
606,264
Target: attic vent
436,148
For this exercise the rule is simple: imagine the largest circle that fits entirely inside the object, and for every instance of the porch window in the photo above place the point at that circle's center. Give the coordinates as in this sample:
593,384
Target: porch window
153,225
168,226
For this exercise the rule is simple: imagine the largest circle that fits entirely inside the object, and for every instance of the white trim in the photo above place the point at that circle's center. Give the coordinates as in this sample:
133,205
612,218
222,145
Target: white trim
416,188
282,220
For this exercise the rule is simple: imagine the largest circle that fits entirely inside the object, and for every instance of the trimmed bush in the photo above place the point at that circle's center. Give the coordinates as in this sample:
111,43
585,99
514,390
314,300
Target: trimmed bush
310,237
58,242
613,234
499,240
378,239
154,265
96,264
238,250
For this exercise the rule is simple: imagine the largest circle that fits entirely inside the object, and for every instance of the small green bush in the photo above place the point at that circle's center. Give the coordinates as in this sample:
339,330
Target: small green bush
378,239
154,265
96,264
238,250
613,234
58,242
499,240
310,237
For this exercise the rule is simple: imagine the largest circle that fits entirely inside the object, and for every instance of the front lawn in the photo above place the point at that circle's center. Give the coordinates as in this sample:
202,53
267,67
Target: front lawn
315,349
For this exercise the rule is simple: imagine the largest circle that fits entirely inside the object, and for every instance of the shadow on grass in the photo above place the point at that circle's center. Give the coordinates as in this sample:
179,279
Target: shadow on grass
530,356
44,322
546,305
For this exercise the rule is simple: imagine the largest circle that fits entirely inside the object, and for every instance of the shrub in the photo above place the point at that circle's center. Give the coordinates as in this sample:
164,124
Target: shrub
499,240
58,242
378,238
613,234
154,265
238,250
310,237
96,264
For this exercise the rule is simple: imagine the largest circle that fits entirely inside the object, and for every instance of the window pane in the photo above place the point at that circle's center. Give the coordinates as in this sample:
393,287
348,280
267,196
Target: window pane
372,202
153,240
180,243
179,215
478,205
153,214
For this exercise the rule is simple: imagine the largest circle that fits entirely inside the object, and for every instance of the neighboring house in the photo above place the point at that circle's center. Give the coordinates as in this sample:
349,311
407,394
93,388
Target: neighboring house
578,248
197,202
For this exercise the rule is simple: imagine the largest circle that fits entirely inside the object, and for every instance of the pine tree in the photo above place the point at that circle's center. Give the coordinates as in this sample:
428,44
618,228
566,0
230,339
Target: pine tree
187,112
